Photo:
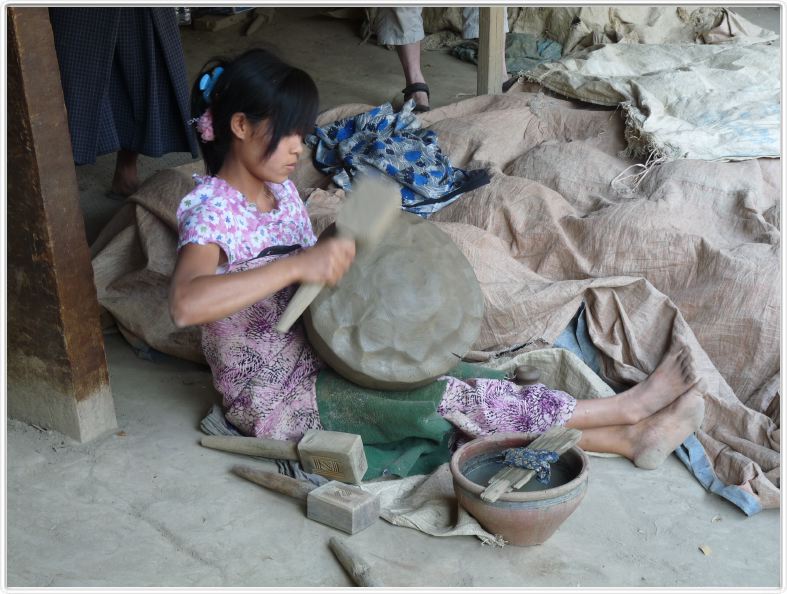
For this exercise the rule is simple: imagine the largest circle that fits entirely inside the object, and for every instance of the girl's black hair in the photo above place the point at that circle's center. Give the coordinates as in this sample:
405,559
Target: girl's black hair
262,87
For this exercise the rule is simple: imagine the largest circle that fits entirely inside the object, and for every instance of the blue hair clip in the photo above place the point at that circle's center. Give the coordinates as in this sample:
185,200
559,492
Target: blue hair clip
208,81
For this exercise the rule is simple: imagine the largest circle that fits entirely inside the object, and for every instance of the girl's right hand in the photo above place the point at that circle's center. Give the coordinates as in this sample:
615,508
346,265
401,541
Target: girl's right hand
327,261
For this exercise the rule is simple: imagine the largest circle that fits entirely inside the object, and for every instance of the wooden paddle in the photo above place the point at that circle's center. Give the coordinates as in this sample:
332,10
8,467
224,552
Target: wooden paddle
365,216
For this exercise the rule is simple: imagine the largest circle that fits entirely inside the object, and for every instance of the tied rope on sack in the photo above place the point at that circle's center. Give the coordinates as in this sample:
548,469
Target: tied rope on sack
539,461
394,144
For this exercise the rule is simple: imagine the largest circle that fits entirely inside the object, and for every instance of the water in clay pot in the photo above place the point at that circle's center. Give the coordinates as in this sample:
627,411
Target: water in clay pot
482,468
526,516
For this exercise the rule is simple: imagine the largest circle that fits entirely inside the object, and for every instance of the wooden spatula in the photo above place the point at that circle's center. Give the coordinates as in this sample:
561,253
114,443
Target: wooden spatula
368,212
557,439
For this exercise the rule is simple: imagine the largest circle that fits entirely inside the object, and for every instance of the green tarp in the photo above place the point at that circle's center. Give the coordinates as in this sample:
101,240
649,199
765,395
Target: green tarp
401,430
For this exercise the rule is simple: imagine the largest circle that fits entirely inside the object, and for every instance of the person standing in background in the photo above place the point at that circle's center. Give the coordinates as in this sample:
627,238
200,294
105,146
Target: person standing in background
125,86
403,27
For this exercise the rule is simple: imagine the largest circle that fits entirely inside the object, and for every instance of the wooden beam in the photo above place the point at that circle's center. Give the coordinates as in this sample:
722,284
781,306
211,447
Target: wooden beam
491,49
57,371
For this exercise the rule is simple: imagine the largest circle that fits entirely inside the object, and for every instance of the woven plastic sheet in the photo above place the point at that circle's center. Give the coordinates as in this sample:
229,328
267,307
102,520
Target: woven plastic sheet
682,101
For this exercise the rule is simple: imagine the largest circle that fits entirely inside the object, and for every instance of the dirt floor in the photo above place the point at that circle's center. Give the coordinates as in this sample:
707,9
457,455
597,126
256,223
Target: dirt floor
147,506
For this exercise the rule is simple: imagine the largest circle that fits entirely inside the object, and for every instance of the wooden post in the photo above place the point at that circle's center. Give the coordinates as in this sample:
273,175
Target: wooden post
57,370
491,45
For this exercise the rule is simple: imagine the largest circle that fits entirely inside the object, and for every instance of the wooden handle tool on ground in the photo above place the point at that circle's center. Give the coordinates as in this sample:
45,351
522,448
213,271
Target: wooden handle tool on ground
335,504
365,216
354,564
274,481
332,454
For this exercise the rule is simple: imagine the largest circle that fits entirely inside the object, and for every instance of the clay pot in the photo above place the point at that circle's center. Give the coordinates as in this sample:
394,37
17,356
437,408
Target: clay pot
522,518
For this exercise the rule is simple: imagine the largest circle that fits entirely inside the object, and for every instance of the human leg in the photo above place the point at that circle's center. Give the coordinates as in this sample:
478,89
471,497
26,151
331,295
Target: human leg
410,58
643,424
125,181
80,32
147,101
403,28
647,422
649,442
480,406
501,405
673,377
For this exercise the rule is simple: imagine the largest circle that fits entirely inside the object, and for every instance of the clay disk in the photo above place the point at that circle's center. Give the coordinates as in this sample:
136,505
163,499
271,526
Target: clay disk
404,313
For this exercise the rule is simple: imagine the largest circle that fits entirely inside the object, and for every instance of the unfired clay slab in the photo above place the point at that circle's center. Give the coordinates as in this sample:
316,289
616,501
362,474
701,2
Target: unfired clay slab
405,312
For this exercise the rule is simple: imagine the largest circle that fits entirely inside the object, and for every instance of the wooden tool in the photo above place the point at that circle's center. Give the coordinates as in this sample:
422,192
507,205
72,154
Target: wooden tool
334,504
366,214
332,454
354,564
557,439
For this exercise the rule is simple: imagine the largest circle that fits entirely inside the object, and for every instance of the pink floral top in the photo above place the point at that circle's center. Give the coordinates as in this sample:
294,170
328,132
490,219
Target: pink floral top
215,212
266,378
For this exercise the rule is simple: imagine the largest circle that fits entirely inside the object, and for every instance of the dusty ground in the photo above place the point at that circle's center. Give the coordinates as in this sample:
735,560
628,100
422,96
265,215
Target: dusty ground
147,506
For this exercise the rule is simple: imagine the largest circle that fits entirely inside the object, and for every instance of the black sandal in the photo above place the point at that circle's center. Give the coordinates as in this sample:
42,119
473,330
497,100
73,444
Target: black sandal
510,83
410,90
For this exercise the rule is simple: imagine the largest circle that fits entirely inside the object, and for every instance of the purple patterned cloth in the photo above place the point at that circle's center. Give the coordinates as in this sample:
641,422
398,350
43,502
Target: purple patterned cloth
267,379
499,406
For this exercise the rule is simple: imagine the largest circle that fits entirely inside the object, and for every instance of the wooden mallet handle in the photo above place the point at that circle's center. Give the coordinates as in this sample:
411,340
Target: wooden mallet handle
275,449
276,482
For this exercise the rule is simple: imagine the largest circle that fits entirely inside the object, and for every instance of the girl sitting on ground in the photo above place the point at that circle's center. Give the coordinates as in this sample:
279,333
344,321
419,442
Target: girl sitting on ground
245,242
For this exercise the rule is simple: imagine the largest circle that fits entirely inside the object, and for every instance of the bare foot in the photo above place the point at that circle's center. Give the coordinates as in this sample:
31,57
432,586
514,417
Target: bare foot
657,436
673,376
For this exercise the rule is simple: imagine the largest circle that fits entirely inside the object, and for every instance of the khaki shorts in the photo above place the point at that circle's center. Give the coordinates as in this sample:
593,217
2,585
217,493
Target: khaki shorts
399,26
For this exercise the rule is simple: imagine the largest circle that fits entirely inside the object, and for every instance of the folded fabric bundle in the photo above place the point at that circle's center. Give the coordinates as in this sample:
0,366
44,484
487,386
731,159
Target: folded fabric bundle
394,144
524,51
729,105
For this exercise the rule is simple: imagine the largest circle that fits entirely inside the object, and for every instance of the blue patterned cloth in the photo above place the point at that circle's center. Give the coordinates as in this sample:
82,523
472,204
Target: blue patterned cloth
394,144
536,460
